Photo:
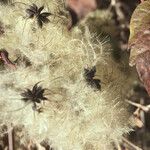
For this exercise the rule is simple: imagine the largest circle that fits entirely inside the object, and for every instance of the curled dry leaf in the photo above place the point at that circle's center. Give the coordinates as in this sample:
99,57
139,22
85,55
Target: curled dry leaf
78,9
139,42
4,56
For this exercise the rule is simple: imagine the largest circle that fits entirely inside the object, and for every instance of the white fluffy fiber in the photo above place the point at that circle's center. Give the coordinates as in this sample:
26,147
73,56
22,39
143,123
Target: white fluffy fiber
75,117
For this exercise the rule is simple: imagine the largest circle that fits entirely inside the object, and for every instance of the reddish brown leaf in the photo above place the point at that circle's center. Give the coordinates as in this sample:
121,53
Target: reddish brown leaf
141,56
139,42
143,69
78,9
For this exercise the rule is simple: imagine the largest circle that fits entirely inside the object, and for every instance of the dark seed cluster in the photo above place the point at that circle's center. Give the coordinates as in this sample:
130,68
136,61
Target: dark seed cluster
35,95
89,75
34,11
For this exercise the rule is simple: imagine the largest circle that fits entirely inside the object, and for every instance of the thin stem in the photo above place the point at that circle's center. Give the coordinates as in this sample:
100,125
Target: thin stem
131,144
113,2
19,3
20,108
57,16
10,139
118,147
144,108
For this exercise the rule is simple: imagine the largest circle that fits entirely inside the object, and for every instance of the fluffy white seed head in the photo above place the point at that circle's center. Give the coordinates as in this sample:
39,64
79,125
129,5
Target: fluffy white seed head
75,116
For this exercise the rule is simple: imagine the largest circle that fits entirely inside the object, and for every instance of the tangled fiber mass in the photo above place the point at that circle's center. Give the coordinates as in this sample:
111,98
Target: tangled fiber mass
47,92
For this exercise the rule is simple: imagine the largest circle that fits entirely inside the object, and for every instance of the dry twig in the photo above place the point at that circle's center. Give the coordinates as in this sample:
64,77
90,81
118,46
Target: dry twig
134,147
144,108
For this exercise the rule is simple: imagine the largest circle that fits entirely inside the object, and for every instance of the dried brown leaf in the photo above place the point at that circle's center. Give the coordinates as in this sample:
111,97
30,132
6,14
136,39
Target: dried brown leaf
139,30
4,56
143,69
139,42
78,9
